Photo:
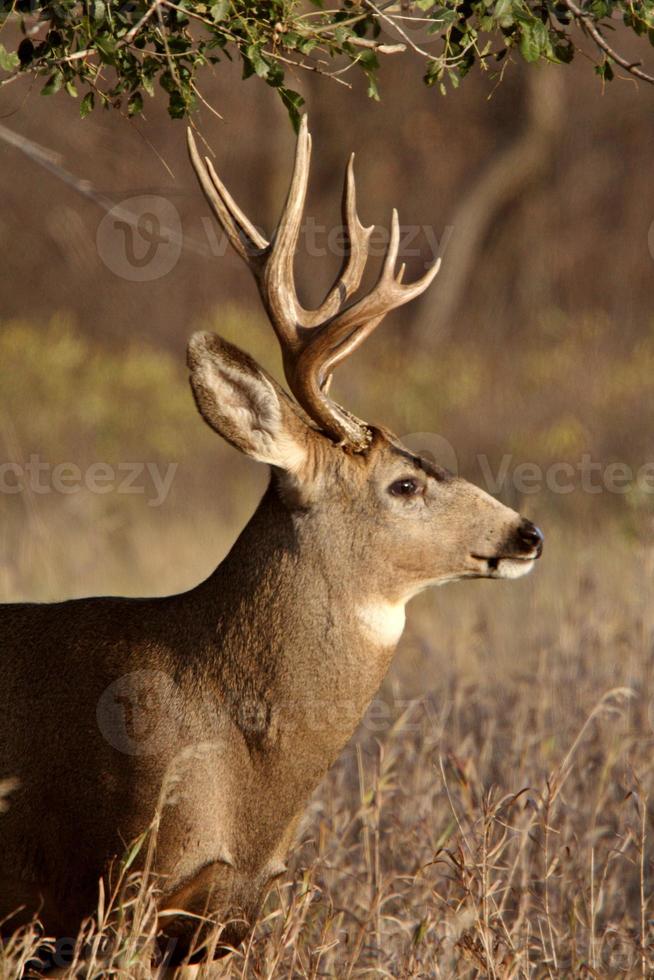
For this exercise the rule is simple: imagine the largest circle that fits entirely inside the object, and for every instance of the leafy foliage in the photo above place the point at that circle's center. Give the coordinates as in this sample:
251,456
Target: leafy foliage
36,394
116,53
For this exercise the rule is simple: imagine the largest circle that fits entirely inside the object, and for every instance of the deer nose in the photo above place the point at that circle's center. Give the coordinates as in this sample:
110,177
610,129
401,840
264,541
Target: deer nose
530,537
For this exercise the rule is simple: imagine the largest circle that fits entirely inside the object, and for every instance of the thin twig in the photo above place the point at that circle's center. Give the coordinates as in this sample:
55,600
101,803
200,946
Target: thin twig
365,42
331,27
50,161
133,31
591,27
307,67
204,101
389,20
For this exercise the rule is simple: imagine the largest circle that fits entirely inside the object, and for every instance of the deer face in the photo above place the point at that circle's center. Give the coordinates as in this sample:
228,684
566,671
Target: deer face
397,522
421,525
386,514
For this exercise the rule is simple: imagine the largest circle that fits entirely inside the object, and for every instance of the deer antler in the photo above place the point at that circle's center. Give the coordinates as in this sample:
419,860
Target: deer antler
314,342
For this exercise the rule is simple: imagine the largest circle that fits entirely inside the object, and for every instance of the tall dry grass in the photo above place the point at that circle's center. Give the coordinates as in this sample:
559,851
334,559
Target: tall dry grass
491,818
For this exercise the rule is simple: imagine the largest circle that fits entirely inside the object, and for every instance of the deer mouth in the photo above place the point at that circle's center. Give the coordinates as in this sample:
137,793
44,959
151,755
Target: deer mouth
506,566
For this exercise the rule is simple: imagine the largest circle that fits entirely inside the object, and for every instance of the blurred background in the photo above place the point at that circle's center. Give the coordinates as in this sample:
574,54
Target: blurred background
534,345
528,365
533,348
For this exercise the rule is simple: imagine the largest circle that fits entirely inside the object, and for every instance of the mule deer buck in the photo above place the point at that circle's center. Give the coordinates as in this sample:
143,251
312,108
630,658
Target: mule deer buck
262,672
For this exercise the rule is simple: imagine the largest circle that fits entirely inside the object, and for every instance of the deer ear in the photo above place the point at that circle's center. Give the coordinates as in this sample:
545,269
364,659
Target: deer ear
244,405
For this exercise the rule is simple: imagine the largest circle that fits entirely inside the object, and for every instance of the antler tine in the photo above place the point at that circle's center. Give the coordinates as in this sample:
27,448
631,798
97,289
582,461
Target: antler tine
361,326
277,285
390,258
255,236
242,234
356,252
343,335
348,329
313,342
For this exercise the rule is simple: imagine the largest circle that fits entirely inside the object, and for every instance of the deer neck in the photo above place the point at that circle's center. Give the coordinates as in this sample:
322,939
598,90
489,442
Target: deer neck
303,643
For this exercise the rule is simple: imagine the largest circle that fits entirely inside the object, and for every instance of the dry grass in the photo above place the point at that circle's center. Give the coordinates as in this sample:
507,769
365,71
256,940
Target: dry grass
490,819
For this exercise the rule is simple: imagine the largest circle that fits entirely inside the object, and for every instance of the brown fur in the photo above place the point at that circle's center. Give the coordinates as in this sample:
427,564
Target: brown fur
257,677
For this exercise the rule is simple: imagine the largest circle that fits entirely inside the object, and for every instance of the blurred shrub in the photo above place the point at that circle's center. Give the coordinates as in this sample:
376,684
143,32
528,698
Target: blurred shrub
567,388
62,390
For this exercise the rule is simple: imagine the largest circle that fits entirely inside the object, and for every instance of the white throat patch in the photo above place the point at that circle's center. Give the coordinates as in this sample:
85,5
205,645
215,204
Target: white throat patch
382,622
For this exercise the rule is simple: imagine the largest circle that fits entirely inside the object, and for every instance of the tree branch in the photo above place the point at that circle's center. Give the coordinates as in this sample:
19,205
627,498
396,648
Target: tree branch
591,28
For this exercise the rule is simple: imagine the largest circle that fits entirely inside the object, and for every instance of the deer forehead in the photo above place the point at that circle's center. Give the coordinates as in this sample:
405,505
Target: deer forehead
382,621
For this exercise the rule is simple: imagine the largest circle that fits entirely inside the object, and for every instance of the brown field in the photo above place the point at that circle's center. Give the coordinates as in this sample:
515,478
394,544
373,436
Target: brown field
492,817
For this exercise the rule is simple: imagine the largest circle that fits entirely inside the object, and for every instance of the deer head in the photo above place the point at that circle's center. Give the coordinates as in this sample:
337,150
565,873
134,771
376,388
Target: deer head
394,520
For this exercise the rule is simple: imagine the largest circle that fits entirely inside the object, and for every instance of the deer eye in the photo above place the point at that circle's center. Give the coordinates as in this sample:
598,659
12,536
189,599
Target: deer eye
406,487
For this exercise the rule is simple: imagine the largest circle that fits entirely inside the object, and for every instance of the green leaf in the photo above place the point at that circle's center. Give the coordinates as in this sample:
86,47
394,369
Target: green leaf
503,13
70,88
342,35
368,60
53,84
177,106
599,8
307,45
534,40
106,46
135,104
219,10
276,75
605,71
9,60
260,65
442,19
564,50
167,82
293,102
434,72
373,88
528,46
86,105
